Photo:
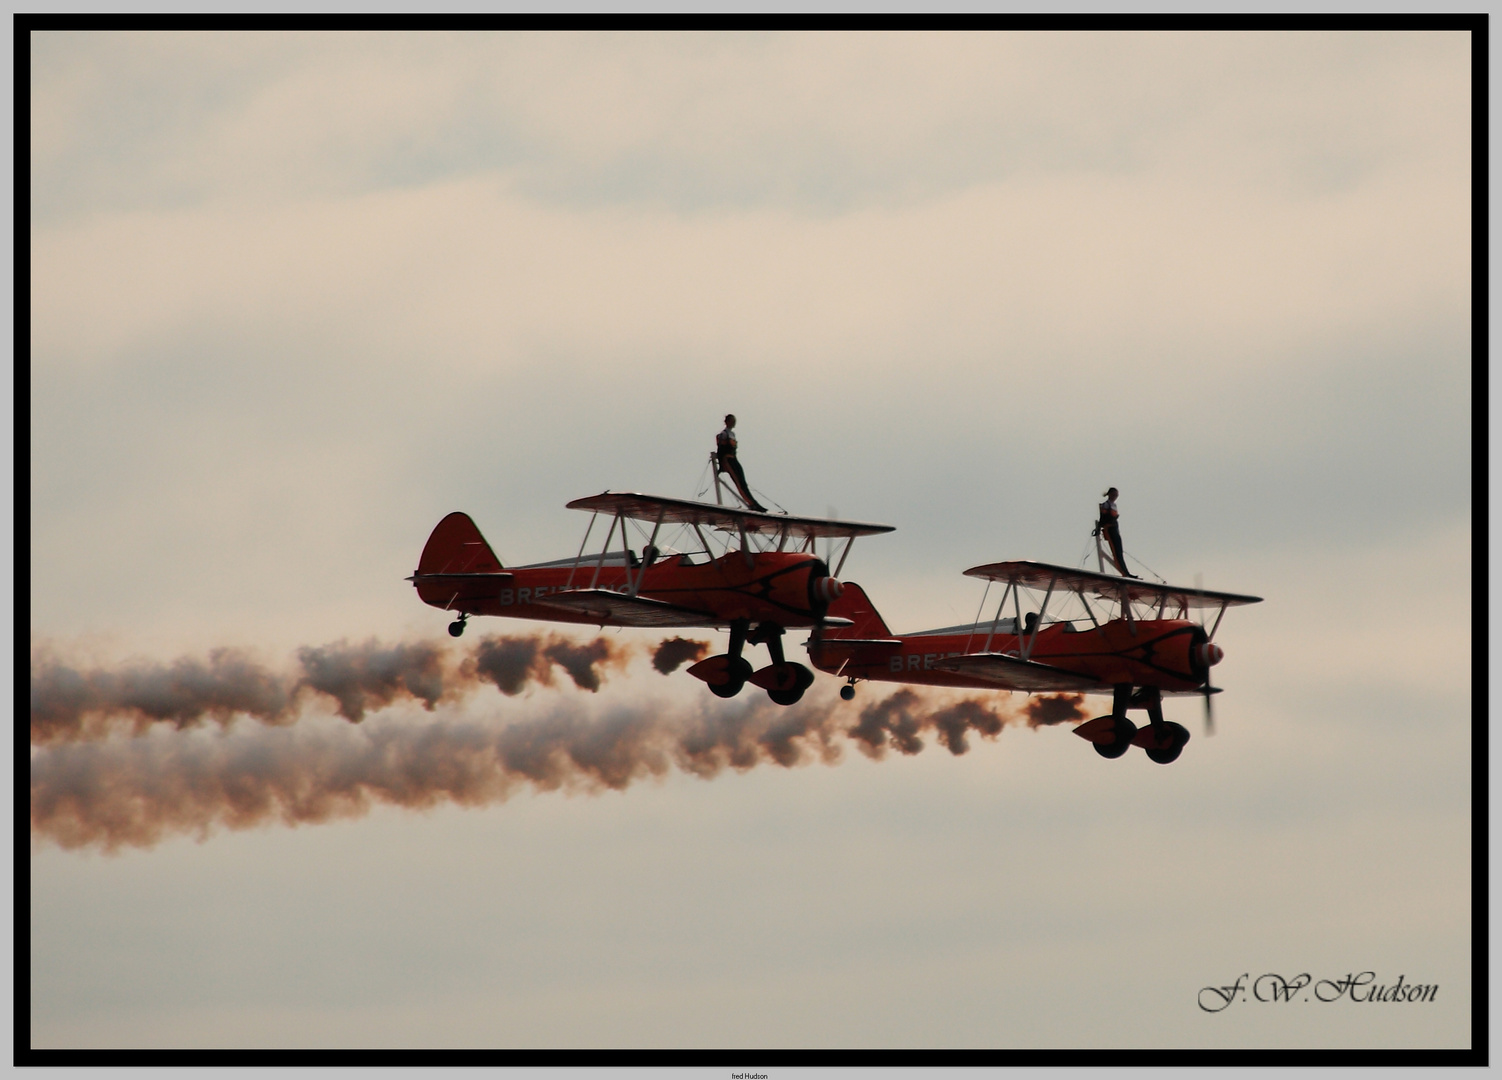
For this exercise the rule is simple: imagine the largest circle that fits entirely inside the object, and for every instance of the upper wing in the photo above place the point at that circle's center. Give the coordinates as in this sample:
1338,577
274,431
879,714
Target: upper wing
1011,673
1036,575
622,610
683,511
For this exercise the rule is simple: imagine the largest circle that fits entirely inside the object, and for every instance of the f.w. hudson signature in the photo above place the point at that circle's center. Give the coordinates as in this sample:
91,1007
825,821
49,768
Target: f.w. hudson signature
1272,987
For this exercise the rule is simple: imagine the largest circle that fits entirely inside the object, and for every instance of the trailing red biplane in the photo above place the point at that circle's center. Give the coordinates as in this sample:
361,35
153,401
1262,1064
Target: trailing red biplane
764,579
1148,648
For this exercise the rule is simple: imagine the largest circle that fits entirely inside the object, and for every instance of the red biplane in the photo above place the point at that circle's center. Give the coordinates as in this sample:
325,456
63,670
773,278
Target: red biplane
764,579
1139,646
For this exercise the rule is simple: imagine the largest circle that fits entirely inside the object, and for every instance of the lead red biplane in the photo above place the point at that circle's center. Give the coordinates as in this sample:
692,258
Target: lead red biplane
1147,649
764,579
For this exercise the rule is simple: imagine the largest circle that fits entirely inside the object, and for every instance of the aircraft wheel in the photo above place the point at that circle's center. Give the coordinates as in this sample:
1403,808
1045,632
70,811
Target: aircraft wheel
1170,754
456,628
1125,729
847,692
739,671
802,680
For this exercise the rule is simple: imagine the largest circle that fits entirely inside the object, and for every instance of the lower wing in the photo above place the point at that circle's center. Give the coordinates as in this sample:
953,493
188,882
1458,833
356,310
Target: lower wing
1012,673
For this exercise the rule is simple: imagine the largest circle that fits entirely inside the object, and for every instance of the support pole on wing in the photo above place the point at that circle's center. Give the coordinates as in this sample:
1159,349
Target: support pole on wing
570,582
1223,606
849,543
1017,614
613,523
1038,626
709,551
645,562
1081,594
996,619
978,612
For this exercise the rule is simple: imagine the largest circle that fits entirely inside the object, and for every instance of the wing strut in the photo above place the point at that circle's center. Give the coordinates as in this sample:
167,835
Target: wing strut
570,583
1038,626
599,565
1223,606
996,619
1081,594
651,543
978,611
848,545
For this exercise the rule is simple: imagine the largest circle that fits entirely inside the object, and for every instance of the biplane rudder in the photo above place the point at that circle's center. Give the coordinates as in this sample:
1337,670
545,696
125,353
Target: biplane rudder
456,547
855,605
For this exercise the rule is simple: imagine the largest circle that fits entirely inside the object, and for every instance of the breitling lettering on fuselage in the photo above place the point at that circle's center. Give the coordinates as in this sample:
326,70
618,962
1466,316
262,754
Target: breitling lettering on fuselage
537,593
917,661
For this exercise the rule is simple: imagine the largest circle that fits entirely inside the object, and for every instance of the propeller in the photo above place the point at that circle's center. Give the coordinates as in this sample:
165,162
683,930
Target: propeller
1207,690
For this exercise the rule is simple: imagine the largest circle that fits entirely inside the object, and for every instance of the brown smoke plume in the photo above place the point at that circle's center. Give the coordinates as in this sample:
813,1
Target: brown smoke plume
1046,709
69,703
676,651
134,792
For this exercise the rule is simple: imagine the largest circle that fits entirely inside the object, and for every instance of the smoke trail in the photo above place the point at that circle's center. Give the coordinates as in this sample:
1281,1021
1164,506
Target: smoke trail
69,703
133,792
1055,709
676,651
370,676
510,662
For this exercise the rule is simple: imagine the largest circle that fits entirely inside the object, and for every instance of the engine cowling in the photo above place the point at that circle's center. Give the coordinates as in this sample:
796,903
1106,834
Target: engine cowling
823,588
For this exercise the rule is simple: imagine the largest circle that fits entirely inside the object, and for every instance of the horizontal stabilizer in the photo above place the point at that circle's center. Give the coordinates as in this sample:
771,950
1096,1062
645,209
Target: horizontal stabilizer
495,578
1014,673
618,609
861,643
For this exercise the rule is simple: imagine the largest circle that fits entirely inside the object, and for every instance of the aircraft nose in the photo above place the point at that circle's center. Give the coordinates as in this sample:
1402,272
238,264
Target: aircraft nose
1211,654
829,589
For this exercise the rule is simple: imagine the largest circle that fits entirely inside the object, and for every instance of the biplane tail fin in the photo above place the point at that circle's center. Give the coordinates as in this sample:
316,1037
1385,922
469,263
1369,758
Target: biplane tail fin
855,605
456,547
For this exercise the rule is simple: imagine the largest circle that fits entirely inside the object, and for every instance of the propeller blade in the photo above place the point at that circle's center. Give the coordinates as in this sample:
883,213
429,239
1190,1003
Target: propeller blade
1209,712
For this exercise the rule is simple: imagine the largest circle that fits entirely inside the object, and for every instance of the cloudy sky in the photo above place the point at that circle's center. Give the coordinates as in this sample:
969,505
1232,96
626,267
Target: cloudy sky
293,298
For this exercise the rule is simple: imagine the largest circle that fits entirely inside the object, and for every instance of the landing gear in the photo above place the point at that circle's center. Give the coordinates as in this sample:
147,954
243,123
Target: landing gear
727,673
1177,736
790,680
783,682
1161,739
848,690
1111,735
457,626
1124,730
737,671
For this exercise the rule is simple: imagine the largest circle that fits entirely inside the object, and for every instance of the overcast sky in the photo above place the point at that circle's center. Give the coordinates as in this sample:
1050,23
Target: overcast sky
293,298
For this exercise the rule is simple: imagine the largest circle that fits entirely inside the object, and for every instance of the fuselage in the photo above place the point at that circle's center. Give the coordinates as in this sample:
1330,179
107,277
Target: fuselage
786,588
1162,653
